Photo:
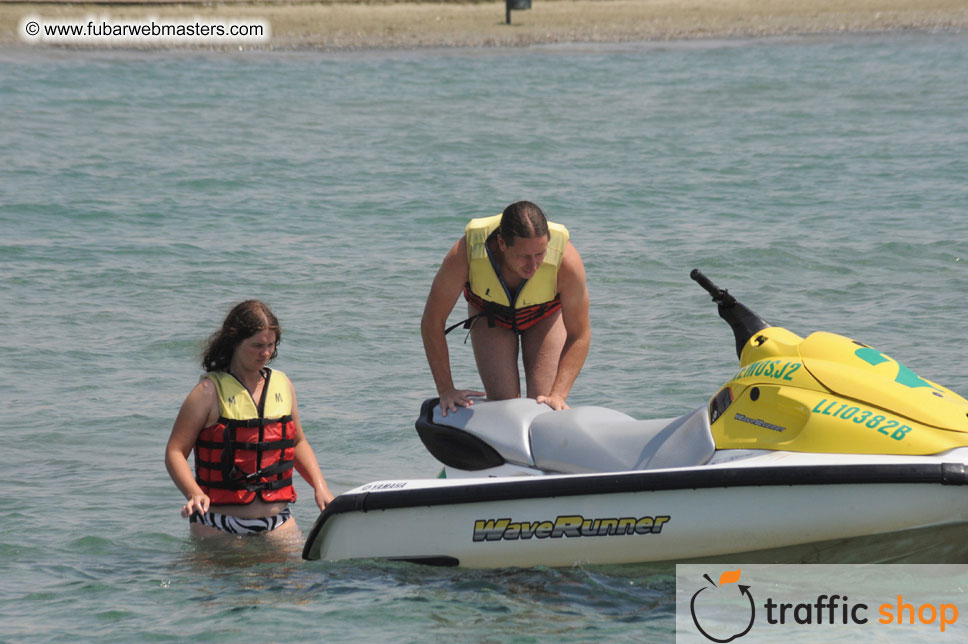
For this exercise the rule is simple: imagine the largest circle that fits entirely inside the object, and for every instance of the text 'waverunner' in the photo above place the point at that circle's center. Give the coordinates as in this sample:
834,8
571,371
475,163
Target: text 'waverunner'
819,449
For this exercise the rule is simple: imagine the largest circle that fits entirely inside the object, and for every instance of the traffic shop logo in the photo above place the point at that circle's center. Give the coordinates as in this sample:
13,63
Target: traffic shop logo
728,595
725,611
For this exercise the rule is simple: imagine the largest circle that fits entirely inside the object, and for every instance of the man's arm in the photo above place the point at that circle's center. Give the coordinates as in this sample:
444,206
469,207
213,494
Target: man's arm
574,313
447,287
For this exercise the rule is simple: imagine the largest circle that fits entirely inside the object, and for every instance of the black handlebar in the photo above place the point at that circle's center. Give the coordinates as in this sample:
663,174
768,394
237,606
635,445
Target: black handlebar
720,295
745,323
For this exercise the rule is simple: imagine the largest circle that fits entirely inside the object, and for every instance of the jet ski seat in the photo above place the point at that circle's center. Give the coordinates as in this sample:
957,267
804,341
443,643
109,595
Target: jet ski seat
579,440
596,439
502,424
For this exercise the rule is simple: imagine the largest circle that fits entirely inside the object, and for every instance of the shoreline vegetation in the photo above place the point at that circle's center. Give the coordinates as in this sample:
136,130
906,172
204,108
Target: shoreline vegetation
392,24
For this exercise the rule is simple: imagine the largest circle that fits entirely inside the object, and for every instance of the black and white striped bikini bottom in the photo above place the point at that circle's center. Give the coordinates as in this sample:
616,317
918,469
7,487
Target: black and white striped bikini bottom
235,525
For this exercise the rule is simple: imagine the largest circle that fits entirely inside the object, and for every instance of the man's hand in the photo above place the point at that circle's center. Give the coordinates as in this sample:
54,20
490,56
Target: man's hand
451,400
554,401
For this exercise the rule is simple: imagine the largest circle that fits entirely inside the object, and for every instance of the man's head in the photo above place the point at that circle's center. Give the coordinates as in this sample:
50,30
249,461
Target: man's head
523,237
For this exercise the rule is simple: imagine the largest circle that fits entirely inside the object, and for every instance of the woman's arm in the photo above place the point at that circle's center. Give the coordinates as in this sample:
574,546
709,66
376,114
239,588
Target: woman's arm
306,463
194,415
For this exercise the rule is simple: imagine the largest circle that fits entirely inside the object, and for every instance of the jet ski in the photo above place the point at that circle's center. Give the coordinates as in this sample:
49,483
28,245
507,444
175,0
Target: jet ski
819,449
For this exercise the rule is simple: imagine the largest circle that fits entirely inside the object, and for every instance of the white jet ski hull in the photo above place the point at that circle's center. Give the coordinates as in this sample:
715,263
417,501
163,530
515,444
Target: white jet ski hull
852,445
753,503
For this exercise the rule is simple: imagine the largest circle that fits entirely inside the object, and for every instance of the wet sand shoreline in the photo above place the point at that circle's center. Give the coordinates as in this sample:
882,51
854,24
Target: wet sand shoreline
368,25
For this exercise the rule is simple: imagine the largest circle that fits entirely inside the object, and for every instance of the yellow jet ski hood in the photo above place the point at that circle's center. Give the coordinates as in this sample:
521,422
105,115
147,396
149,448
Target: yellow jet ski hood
854,370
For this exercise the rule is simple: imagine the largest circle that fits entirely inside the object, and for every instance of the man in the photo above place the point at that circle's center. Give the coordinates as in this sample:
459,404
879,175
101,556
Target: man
524,284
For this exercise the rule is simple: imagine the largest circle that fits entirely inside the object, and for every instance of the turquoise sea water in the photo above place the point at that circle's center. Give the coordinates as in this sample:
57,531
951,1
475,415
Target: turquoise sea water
822,180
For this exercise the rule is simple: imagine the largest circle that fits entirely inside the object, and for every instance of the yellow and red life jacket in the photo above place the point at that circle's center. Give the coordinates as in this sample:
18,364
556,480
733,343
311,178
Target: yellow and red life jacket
250,450
536,299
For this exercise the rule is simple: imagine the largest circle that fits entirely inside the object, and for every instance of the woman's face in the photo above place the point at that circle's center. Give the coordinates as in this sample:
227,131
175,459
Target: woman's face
255,351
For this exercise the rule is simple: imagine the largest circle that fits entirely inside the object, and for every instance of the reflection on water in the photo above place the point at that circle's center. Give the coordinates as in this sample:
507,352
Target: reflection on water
941,544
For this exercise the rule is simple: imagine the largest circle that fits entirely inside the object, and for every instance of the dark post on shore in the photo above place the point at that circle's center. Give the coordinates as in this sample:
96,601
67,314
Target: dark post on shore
516,5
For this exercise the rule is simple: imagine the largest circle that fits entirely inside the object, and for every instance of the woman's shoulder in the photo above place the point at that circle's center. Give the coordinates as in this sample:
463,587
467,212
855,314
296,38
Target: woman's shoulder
202,398
206,386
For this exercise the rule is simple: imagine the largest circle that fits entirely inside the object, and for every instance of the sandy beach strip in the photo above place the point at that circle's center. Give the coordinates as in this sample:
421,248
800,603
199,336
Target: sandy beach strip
358,25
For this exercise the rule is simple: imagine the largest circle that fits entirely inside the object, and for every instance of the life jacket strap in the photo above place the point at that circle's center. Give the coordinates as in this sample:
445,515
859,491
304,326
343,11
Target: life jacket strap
469,322
284,443
267,486
517,320
236,479
252,423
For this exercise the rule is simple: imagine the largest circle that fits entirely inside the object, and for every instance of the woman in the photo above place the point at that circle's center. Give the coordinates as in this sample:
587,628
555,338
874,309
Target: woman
243,424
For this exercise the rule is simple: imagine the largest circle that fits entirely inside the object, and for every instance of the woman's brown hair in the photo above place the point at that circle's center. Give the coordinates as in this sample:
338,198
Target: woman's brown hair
243,321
